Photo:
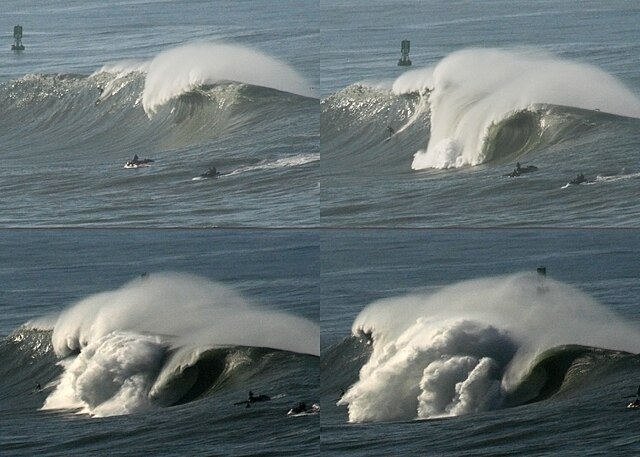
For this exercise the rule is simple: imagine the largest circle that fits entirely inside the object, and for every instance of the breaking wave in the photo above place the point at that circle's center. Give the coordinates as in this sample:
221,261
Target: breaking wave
179,70
476,346
475,106
160,340
475,89
184,96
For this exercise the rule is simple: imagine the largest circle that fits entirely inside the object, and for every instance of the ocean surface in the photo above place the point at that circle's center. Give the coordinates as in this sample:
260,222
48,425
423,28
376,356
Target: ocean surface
449,342
547,84
143,342
189,85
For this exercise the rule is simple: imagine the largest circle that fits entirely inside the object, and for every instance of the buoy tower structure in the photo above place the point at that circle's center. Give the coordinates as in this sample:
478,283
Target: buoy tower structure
404,54
17,39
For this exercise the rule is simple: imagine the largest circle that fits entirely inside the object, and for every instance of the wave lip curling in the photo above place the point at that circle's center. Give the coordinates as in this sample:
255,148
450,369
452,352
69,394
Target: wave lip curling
473,89
181,69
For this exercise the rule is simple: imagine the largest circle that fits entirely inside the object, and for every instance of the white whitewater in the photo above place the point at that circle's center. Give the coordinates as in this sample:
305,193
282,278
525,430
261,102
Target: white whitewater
462,349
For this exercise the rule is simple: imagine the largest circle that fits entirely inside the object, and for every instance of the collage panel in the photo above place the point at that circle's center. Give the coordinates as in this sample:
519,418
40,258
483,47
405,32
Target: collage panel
494,113
219,218
156,342
479,342
158,113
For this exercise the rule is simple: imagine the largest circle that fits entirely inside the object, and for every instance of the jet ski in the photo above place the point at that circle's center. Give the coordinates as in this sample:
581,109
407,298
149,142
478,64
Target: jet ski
518,171
302,410
138,163
578,179
210,173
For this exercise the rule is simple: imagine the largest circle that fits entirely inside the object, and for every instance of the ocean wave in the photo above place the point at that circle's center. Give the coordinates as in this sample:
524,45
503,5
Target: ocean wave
160,340
474,89
103,114
475,106
179,70
479,345
356,122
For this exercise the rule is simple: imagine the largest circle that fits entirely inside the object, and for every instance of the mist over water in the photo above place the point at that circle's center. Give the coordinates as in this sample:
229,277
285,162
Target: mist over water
467,347
188,309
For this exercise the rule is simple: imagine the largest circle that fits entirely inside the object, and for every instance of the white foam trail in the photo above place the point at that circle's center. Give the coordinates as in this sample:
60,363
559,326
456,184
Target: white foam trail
179,70
475,88
285,162
122,338
463,348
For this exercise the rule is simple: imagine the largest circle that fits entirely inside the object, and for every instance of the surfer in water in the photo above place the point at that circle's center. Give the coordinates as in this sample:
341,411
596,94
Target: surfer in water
212,172
579,179
253,399
635,403
520,170
390,132
136,162
301,408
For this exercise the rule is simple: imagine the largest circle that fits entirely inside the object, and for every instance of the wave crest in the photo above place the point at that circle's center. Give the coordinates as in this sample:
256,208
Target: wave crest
474,89
180,70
